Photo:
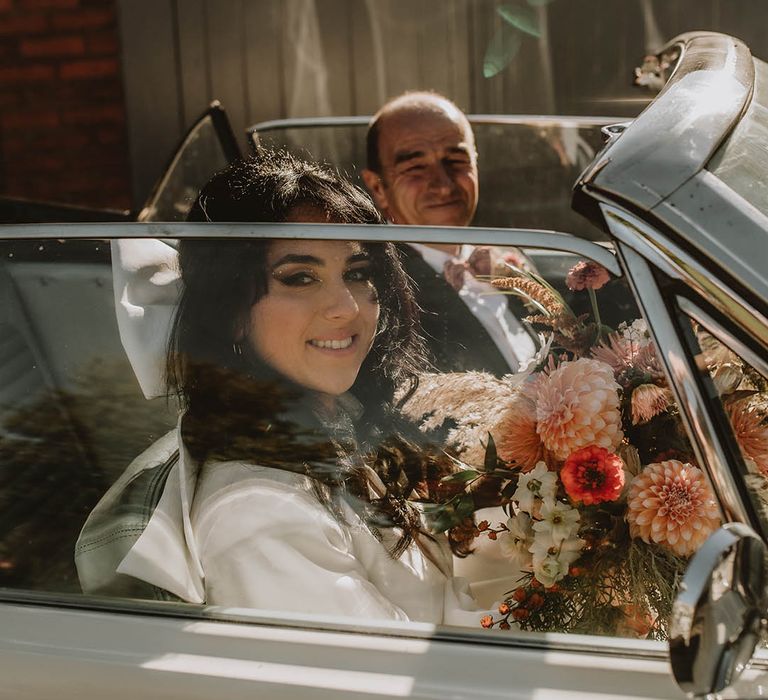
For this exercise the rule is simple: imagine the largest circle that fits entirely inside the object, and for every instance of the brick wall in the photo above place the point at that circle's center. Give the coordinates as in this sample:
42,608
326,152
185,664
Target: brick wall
62,111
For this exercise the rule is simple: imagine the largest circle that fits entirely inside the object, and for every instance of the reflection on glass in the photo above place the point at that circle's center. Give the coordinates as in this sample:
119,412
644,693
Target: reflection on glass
743,394
742,160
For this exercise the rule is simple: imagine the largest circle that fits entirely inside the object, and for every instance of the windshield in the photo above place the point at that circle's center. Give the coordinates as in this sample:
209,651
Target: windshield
526,165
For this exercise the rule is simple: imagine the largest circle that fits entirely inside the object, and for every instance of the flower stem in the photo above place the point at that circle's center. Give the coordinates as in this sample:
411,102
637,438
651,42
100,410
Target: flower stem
595,311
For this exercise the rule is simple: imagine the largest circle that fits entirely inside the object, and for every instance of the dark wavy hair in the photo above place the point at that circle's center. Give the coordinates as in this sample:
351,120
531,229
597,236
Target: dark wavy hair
236,406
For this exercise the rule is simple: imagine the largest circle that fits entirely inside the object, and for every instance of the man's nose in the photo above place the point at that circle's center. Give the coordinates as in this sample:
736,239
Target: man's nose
440,179
340,303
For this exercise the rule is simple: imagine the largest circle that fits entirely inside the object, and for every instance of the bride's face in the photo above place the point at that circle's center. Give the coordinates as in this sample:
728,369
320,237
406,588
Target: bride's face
318,319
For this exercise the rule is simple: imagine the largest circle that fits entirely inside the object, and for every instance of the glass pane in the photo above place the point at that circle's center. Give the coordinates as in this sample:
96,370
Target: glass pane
526,170
312,473
197,159
742,391
71,413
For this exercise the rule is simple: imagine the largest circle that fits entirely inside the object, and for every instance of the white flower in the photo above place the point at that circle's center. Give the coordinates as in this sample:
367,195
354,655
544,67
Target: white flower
537,483
570,550
543,546
515,544
549,570
551,560
558,520
637,330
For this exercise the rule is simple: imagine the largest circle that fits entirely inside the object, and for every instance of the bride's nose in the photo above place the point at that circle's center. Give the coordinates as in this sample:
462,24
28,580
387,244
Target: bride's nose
340,303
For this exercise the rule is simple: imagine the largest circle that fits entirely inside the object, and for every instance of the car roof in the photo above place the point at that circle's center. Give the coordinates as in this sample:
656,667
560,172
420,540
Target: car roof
656,166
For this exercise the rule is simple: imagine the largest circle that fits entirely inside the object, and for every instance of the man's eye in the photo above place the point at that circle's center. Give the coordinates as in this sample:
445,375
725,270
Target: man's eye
458,162
297,279
417,167
359,274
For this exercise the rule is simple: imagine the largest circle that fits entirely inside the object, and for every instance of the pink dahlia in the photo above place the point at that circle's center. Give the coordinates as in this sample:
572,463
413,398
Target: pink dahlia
750,425
648,400
586,274
577,406
671,504
593,475
627,352
515,435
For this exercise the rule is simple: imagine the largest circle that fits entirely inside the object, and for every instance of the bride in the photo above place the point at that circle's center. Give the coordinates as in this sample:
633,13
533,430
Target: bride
288,483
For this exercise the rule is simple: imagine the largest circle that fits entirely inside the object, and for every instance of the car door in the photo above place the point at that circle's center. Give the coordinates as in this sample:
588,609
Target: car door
56,469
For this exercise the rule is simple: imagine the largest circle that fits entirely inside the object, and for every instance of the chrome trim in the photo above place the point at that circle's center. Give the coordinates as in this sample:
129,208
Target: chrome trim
538,119
678,264
682,381
677,133
525,238
760,364
546,641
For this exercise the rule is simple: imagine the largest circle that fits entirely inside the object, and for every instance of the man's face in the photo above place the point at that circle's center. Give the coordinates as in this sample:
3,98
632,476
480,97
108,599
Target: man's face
429,169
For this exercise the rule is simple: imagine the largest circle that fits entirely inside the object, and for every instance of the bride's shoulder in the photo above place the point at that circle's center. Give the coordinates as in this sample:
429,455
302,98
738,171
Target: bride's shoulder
236,481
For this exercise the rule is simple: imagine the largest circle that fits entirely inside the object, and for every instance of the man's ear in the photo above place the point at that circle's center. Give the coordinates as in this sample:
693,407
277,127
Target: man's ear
375,186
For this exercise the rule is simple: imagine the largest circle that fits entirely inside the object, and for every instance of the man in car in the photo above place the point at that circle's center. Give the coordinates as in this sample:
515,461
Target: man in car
422,170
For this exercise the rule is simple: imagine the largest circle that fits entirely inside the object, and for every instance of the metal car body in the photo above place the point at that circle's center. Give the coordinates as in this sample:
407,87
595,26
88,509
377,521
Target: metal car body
687,232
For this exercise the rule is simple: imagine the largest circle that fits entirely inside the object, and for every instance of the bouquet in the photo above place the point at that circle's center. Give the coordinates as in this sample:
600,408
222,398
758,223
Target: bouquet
585,451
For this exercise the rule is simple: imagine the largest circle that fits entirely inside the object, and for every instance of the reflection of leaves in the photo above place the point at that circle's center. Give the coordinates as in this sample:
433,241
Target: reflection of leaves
521,17
539,3
503,47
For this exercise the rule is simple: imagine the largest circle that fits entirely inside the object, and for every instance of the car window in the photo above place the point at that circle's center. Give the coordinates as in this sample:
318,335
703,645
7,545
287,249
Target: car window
737,382
535,461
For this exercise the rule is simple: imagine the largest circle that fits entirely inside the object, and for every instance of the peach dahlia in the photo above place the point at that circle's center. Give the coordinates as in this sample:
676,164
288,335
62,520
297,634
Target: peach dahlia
671,504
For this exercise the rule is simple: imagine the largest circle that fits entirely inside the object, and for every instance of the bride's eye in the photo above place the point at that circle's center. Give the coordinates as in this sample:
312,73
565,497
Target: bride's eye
359,274
296,279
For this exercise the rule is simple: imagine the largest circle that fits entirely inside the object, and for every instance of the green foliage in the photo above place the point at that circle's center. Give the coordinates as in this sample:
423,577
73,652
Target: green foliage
521,17
441,517
504,45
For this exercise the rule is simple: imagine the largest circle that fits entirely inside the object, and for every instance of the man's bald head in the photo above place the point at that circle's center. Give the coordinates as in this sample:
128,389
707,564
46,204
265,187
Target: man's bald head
422,161
409,103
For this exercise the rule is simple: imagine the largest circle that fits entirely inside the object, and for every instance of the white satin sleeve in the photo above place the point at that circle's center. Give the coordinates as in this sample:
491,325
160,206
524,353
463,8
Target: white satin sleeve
146,280
273,546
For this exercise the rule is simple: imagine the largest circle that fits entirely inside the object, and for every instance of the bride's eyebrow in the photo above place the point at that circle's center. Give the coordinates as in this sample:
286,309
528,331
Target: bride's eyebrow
301,259
358,257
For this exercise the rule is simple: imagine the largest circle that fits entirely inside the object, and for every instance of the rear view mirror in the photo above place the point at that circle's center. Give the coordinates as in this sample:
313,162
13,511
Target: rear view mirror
718,615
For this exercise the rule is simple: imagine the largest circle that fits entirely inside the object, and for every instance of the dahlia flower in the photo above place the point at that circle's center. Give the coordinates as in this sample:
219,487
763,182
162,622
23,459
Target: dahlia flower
648,400
629,349
586,274
539,483
671,504
578,406
593,475
750,426
515,435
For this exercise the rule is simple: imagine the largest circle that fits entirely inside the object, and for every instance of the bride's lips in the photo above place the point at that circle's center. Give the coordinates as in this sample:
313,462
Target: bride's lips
335,346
